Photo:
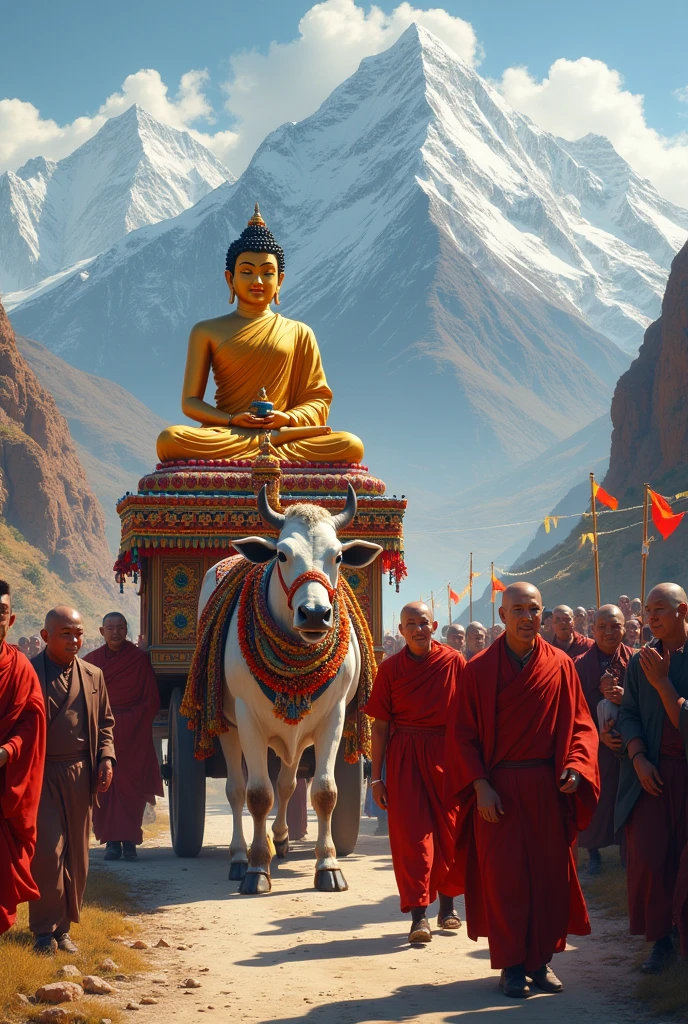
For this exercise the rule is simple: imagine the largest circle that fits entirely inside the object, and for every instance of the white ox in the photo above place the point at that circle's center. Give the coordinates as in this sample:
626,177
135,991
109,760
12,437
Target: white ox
307,541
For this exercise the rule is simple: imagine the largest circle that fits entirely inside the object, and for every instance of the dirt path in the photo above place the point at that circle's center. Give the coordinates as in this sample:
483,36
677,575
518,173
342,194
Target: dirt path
299,955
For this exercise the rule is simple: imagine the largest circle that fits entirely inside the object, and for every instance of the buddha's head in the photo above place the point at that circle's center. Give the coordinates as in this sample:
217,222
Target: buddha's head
255,266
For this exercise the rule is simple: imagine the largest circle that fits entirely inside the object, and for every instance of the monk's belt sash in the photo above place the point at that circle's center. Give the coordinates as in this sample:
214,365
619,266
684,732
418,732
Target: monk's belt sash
75,758
426,730
525,764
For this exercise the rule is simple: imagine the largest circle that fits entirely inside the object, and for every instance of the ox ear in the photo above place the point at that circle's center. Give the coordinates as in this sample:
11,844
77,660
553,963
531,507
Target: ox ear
256,549
358,553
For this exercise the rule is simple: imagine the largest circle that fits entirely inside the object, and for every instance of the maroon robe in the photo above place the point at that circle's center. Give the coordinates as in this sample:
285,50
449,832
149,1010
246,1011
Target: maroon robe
415,697
589,666
579,645
134,699
521,729
22,734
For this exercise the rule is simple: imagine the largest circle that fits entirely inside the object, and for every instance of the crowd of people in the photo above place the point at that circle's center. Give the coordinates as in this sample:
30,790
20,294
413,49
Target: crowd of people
76,753
500,751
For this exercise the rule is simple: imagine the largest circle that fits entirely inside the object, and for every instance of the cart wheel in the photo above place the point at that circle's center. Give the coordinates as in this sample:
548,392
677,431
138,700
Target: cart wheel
187,784
346,817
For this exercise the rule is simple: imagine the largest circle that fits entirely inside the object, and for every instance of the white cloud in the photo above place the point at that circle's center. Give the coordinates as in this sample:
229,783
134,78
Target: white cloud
24,133
291,80
585,95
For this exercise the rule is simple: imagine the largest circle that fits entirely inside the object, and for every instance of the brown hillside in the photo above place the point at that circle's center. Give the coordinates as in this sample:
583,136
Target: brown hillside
649,444
52,542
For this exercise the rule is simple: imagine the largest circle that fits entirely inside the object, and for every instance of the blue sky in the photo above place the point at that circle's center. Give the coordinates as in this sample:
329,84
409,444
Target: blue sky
67,57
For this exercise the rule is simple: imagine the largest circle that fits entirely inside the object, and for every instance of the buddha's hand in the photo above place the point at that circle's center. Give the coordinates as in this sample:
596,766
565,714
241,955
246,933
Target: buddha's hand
488,801
250,422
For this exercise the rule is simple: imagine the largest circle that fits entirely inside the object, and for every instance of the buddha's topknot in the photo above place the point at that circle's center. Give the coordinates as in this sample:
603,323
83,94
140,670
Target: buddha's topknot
255,238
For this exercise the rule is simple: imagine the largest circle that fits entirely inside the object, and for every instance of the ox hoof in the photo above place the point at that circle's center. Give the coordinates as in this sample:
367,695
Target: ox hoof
330,880
237,870
282,847
255,882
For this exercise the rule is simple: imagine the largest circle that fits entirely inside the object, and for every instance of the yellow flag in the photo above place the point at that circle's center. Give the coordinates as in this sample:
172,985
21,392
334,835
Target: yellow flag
585,537
551,521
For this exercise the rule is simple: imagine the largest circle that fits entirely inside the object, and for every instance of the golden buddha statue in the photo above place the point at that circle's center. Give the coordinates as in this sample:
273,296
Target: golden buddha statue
248,350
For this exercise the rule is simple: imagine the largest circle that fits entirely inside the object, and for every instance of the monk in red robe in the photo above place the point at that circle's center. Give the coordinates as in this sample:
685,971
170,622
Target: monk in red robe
565,636
134,699
22,752
411,697
602,671
521,762
652,800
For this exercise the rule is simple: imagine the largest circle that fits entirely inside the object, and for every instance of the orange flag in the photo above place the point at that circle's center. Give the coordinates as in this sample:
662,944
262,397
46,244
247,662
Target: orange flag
605,498
662,515
497,587
453,596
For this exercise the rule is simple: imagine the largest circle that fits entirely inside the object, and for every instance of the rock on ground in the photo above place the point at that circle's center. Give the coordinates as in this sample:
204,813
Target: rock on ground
59,992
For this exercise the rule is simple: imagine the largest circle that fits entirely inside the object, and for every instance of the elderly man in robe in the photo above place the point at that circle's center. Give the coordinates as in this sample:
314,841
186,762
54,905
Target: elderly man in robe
521,763
22,751
652,801
79,762
410,701
456,637
565,637
133,694
476,639
602,672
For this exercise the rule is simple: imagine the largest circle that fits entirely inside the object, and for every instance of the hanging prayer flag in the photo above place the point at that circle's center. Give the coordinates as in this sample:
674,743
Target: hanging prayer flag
663,516
551,521
453,596
585,537
604,498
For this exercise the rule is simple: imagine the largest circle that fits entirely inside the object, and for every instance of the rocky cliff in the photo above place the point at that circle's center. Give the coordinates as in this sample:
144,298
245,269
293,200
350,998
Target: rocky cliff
44,493
649,444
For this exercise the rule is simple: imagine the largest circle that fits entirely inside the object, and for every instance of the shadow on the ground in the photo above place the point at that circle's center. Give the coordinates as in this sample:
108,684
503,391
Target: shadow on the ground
457,1001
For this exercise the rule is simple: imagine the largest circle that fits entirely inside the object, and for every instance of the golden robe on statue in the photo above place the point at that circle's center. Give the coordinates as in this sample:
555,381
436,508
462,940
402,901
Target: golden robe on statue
281,356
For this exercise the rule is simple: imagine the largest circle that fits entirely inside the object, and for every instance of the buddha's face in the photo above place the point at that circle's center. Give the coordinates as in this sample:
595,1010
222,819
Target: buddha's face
255,280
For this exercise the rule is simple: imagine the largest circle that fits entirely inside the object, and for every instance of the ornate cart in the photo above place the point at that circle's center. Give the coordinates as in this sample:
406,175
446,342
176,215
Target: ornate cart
180,523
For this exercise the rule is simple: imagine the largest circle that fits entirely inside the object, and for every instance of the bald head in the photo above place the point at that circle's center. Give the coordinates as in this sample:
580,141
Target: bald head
60,615
608,628
667,607
416,625
114,631
476,638
521,612
562,624
63,634
456,636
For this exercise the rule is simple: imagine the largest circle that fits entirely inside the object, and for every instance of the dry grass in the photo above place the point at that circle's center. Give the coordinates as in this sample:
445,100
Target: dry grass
666,994
21,971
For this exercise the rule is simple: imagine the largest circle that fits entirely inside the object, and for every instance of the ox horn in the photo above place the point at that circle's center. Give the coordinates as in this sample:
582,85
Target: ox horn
343,518
267,514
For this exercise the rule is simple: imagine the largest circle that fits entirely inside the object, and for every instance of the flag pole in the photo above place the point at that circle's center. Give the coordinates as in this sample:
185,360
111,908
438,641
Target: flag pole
492,594
432,604
470,590
449,622
645,550
595,552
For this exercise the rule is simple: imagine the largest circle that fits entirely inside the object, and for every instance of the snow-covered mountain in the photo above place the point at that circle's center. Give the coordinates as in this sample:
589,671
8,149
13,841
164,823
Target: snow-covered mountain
135,171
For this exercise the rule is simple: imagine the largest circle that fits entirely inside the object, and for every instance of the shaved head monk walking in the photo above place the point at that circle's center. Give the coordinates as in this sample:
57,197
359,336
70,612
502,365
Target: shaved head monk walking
602,672
79,762
565,636
134,699
22,751
411,697
652,801
521,762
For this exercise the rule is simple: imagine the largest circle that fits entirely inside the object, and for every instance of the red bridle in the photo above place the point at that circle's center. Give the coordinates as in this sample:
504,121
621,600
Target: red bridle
305,577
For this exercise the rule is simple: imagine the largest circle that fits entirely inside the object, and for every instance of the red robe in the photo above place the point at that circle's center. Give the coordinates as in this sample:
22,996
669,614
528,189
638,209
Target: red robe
519,875
600,832
134,699
22,734
414,697
579,645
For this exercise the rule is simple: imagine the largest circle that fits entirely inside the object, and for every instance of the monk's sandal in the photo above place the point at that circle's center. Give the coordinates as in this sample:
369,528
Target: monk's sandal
545,979
420,931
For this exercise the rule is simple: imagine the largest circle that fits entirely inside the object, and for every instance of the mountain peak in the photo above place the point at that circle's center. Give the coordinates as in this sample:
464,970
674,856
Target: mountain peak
35,167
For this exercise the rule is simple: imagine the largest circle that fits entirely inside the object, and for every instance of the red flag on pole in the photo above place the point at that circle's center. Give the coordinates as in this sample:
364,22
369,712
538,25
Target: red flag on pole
663,516
604,497
497,587
453,596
